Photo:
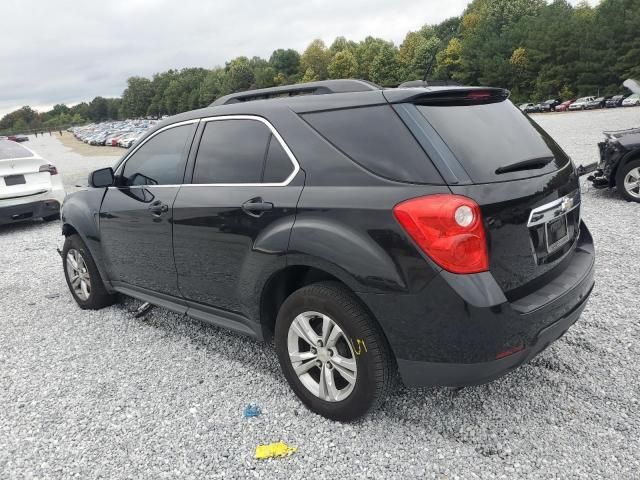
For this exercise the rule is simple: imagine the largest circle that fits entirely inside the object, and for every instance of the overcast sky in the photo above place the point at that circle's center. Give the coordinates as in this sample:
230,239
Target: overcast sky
67,51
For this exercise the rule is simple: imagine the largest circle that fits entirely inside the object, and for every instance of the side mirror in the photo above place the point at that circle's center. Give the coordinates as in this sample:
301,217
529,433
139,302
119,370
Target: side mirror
101,178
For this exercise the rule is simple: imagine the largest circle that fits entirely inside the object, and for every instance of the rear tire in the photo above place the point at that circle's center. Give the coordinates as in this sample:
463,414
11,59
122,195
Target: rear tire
627,176
83,277
351,345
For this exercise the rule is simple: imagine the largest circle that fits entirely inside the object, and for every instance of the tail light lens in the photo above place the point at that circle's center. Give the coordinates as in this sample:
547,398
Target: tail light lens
49,168
449,229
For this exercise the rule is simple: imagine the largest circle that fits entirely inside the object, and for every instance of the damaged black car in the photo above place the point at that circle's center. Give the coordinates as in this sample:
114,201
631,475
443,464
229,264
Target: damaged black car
620,163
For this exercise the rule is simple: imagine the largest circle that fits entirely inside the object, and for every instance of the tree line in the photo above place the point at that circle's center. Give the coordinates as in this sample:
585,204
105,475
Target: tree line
538,50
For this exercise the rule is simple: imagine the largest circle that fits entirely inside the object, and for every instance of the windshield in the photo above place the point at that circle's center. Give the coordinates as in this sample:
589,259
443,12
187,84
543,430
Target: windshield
485,138
9,149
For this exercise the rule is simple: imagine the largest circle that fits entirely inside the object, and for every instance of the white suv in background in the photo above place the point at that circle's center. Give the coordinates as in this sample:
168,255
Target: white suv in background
30,187
581,103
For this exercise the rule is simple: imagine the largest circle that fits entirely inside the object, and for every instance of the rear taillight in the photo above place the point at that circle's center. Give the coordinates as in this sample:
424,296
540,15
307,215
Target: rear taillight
449,229
49,168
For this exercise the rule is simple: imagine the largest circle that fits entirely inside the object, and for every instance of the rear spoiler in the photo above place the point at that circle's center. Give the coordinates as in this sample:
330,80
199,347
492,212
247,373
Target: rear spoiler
452,96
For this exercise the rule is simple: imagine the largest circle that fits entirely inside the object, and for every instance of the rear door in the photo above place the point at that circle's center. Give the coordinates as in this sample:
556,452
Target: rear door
232,222
136,216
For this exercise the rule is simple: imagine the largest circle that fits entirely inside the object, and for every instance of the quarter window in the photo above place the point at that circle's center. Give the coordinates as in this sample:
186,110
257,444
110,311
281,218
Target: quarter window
159,161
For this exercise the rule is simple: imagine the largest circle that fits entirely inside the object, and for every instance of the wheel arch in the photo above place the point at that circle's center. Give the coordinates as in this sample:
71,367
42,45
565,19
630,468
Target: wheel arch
293,277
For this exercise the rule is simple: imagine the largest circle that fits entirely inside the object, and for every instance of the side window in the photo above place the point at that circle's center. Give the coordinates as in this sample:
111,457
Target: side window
376,139
278,165
232,151
160,161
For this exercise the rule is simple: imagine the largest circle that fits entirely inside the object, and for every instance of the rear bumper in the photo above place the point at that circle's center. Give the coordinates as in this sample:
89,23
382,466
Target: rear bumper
462,330
415,373
26,211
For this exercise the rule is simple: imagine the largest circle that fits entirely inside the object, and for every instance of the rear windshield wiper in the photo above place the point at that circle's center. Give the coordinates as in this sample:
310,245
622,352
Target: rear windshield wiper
531,164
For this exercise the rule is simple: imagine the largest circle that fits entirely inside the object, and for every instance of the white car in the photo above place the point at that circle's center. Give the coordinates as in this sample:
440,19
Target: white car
631,100
30,187
581,103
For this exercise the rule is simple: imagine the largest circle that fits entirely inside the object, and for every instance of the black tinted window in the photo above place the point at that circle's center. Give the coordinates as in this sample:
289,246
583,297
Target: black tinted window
486,137
232,151
278,166
376,138
160,160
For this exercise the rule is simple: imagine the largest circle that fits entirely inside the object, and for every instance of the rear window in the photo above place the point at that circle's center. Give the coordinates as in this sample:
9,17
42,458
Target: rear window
10,149
486,137
376,139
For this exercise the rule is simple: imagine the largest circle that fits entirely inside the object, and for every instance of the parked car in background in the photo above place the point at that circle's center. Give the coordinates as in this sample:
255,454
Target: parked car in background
292,217
631,100
564,106
30,187
596,103
18,138
113,132
620,163
581,103
614,101
528,107
549,106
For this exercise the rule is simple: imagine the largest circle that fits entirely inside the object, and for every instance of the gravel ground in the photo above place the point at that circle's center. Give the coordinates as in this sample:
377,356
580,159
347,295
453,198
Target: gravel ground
104,395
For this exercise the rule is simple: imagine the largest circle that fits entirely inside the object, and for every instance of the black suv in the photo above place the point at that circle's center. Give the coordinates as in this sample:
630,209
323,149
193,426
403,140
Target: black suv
432,231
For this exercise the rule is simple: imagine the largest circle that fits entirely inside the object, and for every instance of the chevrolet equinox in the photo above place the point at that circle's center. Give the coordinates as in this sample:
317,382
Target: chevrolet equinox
429,231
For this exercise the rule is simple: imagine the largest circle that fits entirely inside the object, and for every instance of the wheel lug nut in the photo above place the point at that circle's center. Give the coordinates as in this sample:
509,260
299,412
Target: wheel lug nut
331,353
319,343
318,363
314,351
329,366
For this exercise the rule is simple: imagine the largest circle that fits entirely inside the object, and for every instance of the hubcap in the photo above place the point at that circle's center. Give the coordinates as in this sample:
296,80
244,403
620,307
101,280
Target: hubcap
322,356
78,274
632,182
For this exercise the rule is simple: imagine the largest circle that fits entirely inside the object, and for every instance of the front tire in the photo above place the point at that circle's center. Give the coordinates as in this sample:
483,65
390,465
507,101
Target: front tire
82,276
628,181
332,353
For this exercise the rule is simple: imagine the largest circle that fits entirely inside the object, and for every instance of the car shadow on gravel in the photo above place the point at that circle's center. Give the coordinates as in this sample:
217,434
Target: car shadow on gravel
24,227
536,385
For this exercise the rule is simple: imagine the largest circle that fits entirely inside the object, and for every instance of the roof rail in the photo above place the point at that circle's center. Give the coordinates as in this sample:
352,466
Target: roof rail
311,88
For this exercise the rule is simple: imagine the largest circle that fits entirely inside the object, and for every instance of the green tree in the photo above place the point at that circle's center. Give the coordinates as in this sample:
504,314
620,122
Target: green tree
137,97
385,69
315,60
343,65
286,61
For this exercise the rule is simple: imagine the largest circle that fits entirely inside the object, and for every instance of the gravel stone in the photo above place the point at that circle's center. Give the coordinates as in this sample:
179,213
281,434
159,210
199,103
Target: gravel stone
102,394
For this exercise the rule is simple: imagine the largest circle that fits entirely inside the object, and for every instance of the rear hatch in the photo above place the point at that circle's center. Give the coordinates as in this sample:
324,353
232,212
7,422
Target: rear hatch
526,186
20,174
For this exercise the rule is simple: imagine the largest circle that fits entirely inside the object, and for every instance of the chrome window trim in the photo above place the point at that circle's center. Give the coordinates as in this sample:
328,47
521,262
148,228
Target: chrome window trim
163,129
292,158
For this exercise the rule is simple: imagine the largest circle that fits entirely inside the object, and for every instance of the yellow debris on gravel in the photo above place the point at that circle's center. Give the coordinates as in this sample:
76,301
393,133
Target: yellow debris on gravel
279,449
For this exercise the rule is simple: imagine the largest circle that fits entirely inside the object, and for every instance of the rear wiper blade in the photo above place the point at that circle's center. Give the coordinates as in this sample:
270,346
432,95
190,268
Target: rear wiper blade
531,164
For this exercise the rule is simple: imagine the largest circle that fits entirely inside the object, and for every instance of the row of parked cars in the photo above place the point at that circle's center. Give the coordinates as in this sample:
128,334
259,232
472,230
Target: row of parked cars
583,103
113,134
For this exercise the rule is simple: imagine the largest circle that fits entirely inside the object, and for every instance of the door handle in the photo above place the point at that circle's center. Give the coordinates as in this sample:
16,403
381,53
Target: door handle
158,208
256,207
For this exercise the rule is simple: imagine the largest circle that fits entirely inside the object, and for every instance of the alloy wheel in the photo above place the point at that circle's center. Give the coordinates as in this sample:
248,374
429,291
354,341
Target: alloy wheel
632,182
322,356
78,274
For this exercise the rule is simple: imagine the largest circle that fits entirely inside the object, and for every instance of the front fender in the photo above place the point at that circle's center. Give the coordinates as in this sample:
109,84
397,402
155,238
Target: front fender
81,213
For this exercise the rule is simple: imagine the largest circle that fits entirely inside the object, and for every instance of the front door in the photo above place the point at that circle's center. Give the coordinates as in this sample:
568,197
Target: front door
136,216
232,223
